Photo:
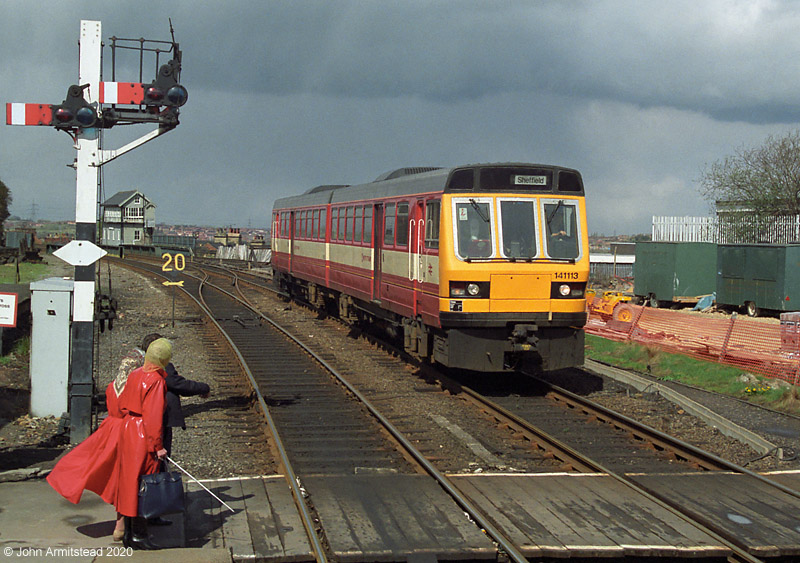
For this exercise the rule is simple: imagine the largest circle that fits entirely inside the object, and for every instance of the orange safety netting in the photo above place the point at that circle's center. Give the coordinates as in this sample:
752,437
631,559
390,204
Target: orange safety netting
771,350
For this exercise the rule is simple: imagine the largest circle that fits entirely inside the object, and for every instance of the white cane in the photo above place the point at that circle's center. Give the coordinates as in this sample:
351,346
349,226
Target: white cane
199,483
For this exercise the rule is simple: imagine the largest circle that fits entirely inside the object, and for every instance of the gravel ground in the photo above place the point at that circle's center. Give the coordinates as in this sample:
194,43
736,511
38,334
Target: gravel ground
32,445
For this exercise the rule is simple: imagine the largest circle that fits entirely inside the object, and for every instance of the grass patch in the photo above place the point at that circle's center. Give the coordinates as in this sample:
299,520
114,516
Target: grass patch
720,378
22,349
28,272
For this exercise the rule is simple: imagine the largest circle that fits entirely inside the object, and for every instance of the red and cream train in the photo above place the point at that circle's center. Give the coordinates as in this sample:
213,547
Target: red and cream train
482,267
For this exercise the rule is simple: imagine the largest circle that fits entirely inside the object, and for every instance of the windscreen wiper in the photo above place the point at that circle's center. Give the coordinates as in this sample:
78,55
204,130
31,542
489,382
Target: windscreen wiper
478,210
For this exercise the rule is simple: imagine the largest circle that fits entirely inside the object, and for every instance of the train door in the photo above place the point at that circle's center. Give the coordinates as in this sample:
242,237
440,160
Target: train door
416,266
292,233
377,247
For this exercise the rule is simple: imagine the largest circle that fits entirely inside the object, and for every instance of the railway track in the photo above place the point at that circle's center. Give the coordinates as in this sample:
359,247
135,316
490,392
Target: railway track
313,456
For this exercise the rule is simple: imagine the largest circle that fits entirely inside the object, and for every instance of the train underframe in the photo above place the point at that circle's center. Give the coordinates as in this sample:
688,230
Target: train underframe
484,343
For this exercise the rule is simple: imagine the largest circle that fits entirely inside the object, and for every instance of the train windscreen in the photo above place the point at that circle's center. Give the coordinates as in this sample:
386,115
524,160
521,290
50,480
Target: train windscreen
474,229
561,224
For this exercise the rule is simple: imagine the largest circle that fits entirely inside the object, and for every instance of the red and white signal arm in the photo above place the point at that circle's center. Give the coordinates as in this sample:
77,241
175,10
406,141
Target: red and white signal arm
8,309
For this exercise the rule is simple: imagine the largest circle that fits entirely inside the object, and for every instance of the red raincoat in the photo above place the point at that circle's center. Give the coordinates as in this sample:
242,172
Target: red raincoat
92,464
142,403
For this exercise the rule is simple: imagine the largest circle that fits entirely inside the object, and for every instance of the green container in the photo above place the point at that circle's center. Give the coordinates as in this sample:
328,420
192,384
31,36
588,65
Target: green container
667,272
759,276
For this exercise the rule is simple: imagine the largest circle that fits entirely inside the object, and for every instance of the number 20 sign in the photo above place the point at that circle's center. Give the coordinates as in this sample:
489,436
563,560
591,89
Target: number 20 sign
173,262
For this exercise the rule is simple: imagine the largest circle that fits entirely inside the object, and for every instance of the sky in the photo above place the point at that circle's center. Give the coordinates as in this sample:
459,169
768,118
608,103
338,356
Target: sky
639,96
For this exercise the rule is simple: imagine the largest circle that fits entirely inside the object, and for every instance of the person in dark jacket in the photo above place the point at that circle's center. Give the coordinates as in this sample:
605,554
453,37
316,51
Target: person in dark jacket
177,387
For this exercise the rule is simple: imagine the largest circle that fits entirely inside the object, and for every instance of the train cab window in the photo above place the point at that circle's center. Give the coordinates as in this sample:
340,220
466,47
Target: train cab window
402,224
357,232
368,224
315,225
334,223
569,182
561,229
461,180
518,228
348,235
388,225
432,212
322,224
473,228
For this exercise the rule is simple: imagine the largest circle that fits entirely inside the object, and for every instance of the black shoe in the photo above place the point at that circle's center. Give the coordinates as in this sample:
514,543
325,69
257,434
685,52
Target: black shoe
136,536
140,542
158,521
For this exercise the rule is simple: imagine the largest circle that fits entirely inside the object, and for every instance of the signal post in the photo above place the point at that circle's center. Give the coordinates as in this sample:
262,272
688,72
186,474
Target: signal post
89,107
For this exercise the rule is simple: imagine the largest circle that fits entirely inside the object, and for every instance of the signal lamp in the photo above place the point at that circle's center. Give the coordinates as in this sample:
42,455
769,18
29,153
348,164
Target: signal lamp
64,115
153,94
86,116
177,95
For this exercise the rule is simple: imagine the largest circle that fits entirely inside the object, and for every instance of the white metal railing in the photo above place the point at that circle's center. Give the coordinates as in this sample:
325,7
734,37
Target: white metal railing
727,229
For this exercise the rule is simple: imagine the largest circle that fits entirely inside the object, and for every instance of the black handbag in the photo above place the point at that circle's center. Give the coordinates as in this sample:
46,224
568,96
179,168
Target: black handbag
160,493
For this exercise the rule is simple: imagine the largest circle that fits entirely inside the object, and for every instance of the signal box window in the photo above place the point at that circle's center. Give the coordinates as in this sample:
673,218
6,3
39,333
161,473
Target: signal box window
388,229
518,225
359,224
368,224
561,226
402,224
432,212
349,225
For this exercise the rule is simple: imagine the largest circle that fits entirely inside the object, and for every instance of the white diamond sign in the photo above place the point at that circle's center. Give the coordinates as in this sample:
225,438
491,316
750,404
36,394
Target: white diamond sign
80,253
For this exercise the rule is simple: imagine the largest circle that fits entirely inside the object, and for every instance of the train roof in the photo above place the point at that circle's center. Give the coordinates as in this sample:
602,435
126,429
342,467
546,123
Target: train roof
409,181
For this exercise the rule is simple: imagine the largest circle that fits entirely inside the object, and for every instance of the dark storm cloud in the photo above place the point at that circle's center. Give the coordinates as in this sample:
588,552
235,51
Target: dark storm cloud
287,95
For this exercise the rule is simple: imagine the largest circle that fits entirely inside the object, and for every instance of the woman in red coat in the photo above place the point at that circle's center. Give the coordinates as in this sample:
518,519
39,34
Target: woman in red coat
92,464
140,447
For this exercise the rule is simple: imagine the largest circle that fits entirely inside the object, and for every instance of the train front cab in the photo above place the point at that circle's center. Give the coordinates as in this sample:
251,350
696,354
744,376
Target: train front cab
513,271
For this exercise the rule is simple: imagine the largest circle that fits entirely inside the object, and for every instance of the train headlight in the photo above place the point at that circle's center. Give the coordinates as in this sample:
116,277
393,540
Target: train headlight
473,289
564,289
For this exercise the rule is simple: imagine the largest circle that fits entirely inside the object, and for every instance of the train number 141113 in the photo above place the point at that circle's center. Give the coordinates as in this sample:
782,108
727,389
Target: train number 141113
566,275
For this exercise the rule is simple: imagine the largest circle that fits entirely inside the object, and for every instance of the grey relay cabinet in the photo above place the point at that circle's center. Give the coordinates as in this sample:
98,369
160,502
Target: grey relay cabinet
51,308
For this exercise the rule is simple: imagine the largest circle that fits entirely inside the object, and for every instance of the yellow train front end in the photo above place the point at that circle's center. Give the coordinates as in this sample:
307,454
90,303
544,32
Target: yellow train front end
513,271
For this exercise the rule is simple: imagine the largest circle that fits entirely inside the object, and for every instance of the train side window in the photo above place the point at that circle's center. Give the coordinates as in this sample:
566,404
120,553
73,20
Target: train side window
304,225
296,224
342,222
322,224
402,224
368,224
432,213
348,233
334,222
388,228
315,225
287,225
359,224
